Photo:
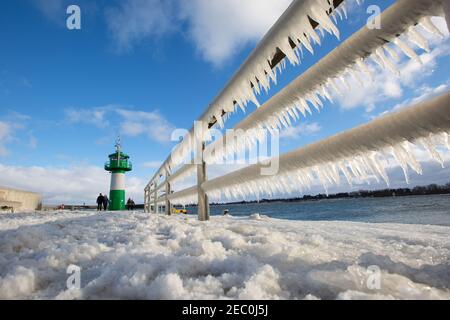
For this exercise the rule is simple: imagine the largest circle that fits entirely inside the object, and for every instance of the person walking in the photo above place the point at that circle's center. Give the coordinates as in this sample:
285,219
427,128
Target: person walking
105,202
100,199
129,204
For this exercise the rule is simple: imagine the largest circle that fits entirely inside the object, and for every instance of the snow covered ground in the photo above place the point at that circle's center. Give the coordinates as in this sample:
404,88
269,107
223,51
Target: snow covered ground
142,256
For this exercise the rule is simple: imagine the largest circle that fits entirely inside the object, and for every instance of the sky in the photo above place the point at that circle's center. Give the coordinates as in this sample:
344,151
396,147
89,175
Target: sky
142,68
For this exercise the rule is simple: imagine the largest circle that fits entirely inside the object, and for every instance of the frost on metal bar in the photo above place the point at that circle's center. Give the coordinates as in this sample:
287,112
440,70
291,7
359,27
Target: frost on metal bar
400,25
356,155
291,34
182,173
186,196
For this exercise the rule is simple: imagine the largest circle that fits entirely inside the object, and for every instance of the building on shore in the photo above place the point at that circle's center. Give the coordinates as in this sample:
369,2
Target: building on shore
12,200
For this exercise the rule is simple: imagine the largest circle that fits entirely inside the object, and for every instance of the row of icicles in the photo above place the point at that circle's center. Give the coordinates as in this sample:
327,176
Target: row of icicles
277,121
221,149
364,167
260,73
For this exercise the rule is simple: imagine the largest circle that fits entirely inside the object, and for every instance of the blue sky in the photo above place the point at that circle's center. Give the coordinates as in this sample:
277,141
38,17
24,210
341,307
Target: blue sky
143,68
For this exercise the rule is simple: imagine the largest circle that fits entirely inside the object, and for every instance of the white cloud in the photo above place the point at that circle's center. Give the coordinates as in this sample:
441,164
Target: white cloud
130,122
94,116
10,127
71,185
5,137
218,28
33,142
303,129
152,124
152,164
137,20
221,28
52,9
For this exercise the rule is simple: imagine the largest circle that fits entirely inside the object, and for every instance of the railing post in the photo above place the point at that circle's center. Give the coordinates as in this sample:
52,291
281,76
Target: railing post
203,204
146,200
168,204
155,199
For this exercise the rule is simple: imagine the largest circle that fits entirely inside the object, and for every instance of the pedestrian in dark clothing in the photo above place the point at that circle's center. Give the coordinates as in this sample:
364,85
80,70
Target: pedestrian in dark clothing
105,202
100,199
129,204
132,204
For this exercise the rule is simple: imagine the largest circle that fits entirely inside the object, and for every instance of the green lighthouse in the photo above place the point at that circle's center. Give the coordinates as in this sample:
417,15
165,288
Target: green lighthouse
118,164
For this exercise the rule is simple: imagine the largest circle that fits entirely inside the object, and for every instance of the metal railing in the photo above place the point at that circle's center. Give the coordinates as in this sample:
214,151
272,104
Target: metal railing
362,142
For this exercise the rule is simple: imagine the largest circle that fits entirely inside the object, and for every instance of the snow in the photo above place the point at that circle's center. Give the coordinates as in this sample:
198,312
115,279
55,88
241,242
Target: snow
141,256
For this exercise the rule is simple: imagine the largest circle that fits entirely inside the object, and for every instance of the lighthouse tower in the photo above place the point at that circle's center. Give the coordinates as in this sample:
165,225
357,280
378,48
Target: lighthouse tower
118,164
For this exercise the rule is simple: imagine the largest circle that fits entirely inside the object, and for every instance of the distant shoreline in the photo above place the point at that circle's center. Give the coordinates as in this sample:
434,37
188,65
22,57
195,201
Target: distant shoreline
432,189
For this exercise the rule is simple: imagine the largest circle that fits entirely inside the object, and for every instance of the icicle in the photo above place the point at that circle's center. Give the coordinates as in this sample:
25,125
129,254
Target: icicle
379,167
338,11
346,173
380,53
447,140
326,94
344,10
305,42
407,50
392,53
364,69
324,20
428,144
345,82
418,39
286,48
335,87
429,26
411,160
355,76
398,153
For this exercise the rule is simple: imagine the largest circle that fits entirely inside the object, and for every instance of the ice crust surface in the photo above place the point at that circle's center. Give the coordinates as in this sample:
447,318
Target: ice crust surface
141,256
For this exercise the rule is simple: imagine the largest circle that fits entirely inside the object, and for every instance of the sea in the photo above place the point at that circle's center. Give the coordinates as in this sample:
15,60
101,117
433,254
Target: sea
425,210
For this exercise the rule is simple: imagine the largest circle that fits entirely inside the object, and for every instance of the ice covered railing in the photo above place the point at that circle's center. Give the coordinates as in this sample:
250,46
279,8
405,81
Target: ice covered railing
295,30
358,154
300,27
401,24
184,197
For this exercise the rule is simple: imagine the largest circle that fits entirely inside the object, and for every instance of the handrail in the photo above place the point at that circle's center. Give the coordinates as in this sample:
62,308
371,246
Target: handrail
410,124
162,185
182,172
301,17
192,191
354,152
291,101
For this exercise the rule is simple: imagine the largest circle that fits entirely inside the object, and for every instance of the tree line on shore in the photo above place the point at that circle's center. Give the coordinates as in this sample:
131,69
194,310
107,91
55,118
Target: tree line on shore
432,189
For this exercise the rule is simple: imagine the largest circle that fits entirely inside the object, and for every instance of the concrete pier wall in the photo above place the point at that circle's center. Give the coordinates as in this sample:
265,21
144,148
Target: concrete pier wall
18,200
